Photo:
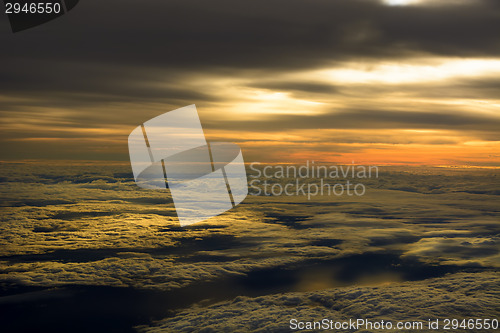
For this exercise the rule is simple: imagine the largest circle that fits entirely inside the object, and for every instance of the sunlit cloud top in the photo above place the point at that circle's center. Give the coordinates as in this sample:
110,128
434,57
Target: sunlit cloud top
424,2
400,72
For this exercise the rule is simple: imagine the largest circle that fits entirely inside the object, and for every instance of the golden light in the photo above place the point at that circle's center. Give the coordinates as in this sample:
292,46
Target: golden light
396,73
401,2
425,2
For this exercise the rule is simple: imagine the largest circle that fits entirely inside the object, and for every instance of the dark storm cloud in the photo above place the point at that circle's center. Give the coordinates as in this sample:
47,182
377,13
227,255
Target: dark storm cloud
256,34
118,50
373,119
462,88
483,88
299,88
91,84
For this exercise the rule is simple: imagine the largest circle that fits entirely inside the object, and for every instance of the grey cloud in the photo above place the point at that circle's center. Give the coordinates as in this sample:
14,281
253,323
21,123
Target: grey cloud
365,118
301,88
69,83
272,35
258,33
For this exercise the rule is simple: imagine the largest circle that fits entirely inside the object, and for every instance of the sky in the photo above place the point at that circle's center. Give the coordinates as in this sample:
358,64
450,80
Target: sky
371,81
387,82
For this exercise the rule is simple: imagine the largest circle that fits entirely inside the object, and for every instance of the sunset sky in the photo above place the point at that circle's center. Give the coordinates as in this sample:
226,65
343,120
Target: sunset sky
370,81
409,86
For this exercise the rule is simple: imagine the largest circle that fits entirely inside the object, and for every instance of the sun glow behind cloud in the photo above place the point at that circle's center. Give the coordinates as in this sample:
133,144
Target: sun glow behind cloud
423,88
425,70
424,2
255,103
373,112
401,2
391,85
